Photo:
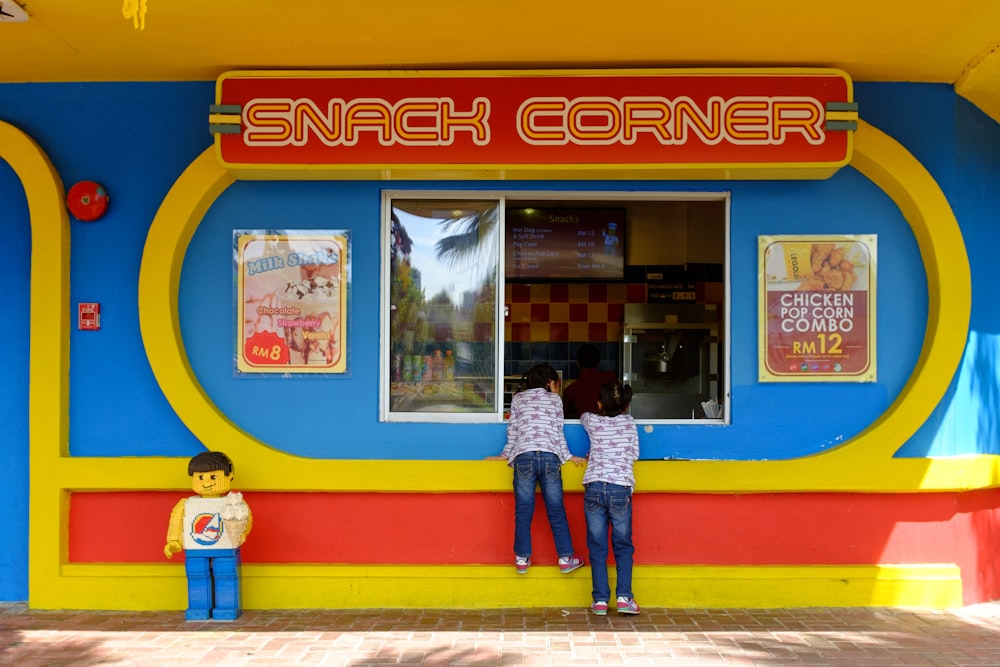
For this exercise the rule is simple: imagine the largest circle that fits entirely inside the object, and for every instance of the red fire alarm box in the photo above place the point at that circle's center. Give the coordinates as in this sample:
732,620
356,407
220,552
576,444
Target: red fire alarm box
89,317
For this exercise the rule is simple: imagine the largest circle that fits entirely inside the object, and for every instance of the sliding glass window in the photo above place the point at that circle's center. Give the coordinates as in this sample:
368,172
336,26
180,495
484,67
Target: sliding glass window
478,287
443,260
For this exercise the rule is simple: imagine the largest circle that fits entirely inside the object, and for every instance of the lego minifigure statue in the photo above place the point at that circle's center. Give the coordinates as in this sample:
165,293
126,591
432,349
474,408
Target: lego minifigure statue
210,528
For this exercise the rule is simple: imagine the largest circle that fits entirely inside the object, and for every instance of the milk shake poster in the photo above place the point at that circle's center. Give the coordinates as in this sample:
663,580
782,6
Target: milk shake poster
291,300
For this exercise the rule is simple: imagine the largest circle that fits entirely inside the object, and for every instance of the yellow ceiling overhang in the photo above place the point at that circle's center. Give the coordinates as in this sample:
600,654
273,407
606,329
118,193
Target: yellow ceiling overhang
191,40
980,83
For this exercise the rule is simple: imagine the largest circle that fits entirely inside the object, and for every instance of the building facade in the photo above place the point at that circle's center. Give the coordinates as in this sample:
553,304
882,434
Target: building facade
808,491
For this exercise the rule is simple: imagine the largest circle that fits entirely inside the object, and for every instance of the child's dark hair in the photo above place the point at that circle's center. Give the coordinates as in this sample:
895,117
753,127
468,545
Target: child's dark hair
539,377
209,461
615,398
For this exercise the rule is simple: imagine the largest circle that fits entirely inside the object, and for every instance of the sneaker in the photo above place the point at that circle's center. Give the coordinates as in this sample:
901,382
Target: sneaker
627,606
522,563
570,563
600,608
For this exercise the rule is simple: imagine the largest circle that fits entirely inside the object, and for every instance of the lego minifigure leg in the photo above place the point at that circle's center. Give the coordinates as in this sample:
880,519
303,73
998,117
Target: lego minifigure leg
199,580
228,597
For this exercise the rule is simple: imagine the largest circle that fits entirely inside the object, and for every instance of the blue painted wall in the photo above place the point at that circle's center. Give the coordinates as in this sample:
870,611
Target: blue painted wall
961,148
137,138
769,421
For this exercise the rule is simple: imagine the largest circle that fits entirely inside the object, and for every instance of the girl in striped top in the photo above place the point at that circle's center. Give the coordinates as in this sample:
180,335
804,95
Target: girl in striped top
607,498
536,449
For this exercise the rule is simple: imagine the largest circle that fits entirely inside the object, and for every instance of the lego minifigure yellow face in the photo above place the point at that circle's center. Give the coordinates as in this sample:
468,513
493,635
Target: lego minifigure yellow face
211,484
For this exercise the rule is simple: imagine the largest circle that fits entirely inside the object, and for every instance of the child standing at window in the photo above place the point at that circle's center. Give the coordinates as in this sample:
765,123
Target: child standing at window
536,449
607,497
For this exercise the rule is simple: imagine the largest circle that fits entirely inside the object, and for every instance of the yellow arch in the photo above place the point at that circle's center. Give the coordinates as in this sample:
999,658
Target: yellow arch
48,393
863,464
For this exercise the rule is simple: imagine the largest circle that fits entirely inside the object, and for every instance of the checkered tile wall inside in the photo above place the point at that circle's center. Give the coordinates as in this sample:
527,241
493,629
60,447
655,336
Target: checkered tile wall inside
547,322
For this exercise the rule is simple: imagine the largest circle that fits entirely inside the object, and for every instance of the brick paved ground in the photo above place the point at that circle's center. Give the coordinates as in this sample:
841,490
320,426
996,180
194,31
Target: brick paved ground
530,637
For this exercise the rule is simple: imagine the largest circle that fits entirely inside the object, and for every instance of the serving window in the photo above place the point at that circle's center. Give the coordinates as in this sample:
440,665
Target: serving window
477,289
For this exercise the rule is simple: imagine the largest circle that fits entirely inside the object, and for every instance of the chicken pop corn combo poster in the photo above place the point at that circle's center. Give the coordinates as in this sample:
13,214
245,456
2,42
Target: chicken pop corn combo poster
817,294
292,295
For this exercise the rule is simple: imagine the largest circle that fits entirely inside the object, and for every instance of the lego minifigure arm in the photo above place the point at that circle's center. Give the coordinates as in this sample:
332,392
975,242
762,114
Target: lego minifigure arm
174,530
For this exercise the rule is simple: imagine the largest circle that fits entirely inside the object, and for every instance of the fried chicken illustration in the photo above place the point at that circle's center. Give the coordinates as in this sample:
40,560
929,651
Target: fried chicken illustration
830,269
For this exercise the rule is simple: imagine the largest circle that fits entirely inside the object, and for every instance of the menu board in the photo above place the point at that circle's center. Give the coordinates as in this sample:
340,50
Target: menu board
565,244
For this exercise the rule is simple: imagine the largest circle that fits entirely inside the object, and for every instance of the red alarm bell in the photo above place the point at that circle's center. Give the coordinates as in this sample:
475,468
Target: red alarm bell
87,201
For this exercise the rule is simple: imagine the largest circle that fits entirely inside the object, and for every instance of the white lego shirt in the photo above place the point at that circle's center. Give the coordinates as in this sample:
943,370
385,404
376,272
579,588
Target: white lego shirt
204,527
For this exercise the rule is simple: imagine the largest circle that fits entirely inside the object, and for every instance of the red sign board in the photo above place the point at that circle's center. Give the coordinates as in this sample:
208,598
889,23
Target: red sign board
641,119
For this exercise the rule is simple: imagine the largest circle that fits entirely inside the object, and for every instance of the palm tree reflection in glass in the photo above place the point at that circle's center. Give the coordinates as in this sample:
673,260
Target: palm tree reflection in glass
455,244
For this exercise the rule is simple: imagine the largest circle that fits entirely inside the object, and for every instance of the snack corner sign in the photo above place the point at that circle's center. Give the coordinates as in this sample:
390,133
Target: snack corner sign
654,123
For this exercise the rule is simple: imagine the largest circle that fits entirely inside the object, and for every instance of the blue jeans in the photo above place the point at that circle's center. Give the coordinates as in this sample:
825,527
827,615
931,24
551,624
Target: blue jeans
544,470
605,504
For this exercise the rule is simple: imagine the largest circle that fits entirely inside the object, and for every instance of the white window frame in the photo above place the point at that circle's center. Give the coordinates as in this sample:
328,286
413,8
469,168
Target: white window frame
501,197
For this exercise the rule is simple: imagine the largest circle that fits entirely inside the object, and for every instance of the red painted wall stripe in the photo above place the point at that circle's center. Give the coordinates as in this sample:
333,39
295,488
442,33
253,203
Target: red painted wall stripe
669,529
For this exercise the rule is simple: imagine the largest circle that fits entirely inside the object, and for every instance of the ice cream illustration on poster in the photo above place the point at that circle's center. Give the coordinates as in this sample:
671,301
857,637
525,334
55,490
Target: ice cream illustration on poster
292,293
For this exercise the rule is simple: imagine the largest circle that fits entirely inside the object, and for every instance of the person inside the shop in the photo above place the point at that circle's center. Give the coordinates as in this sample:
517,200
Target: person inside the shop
581,396
536,449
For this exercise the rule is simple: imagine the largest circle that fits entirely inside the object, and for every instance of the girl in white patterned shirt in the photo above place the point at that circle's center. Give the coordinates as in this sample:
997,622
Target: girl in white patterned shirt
607,498
536,449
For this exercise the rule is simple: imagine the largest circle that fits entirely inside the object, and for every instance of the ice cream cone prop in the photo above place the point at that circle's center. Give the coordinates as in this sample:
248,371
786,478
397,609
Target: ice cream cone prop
235,515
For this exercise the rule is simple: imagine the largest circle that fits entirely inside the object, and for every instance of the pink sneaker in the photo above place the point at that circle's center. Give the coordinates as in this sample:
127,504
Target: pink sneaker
627,606
600,608
522,563
570,563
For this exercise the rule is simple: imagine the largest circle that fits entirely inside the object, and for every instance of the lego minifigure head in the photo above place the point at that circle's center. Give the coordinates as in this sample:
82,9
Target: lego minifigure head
211,474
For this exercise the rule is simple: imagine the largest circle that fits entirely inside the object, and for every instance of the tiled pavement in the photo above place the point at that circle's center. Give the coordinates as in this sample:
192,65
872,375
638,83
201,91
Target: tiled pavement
855,637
